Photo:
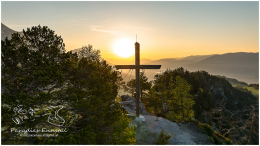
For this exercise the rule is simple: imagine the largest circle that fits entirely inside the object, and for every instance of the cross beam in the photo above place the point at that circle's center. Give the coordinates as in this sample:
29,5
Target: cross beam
137,68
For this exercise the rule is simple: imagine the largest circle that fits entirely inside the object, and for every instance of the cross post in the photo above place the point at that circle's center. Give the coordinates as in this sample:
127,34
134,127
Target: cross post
137,68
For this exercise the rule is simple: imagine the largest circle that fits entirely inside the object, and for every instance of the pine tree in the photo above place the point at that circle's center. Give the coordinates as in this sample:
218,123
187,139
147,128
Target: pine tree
145,85
171,97
184,99
37,73
33,68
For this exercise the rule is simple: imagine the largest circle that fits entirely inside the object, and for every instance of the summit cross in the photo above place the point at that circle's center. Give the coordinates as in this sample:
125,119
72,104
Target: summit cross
137,68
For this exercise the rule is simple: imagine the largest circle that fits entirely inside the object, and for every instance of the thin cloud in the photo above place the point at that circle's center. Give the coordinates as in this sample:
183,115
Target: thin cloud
113,32
139,28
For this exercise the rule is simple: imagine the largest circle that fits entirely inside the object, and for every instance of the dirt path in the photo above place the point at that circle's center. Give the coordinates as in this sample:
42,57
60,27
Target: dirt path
183,134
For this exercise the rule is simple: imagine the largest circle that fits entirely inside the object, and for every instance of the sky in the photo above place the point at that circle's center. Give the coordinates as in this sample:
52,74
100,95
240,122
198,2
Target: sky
166,29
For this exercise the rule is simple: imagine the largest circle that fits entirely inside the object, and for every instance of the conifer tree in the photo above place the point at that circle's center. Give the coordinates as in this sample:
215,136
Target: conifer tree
37,73
171,97
183,99
144,85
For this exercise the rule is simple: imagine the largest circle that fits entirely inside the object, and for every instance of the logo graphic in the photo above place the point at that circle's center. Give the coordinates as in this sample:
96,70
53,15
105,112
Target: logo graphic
23,114
55,120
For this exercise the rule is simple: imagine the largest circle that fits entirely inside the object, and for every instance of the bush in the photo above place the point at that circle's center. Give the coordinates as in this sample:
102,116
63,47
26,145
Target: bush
206,127
227,140
216,139
163,138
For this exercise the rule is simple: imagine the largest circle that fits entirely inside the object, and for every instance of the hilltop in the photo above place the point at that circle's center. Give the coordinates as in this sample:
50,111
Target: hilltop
228,110
7,32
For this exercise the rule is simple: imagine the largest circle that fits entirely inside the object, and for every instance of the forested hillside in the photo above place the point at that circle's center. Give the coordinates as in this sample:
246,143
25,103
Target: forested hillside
231,112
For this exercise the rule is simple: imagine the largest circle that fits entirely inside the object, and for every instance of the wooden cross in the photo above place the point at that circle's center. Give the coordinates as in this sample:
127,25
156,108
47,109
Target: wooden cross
137,68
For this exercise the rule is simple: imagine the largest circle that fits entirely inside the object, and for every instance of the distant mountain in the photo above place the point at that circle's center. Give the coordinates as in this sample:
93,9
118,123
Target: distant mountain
242,66
170,63
240,58
178,62
6,32
196,57
173,63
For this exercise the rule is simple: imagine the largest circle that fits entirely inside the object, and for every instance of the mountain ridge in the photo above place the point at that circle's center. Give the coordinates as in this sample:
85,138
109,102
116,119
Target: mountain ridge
7,32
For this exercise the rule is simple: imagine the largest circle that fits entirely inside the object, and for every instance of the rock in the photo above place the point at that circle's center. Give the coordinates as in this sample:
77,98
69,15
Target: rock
128,103
142,108
183,133
127,98
138,121
112,106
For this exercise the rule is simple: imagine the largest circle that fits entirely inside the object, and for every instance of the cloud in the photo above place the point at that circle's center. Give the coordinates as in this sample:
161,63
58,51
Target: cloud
113,32
139,28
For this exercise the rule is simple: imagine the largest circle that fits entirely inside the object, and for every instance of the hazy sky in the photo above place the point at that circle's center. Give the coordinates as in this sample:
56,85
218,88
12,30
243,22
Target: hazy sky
164,29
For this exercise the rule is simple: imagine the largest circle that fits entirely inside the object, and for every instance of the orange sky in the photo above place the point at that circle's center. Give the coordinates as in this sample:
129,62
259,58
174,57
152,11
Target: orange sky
164,29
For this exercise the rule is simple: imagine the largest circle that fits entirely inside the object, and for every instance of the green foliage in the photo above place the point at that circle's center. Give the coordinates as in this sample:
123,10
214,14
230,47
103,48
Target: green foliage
216,140
256,86
163,138
226,140
37,73
207,128
130,87
33,67
171,98
118,99
144,85
215,136
242,86
183,100
153,102
209,93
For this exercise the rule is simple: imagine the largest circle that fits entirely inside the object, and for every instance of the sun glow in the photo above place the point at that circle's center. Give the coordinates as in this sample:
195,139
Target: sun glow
124,47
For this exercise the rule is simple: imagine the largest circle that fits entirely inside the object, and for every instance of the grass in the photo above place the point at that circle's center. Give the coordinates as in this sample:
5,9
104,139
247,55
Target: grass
252,89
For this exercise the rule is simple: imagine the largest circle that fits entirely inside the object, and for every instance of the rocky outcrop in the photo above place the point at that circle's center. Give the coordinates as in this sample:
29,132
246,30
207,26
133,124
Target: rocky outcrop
129,104
183,133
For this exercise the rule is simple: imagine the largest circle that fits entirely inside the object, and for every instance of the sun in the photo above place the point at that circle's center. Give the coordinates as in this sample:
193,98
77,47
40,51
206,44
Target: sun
124,47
